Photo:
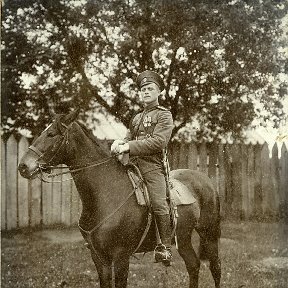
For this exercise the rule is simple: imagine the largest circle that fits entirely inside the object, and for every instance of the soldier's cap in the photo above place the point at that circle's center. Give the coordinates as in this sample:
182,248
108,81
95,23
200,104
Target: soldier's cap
147,77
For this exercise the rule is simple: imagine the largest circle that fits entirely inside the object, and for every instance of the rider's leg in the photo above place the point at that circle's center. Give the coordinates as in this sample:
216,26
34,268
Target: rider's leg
156,185
163,253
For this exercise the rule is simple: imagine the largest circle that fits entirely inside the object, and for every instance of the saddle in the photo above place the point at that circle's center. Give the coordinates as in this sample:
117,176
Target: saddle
179,193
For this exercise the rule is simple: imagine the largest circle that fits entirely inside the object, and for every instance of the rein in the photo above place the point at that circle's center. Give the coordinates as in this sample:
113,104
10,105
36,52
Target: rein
79,168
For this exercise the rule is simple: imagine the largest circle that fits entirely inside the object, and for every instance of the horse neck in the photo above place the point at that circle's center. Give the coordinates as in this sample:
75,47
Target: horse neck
102,189
98,186
83,149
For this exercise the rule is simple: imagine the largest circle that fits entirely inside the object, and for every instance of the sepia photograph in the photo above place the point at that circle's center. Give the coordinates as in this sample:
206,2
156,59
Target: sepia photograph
144,143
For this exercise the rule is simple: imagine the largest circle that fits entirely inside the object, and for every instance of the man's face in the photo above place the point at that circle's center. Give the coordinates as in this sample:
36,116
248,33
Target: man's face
150,93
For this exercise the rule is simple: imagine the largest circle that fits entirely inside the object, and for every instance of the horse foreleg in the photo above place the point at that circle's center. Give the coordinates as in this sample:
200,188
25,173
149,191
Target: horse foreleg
121,269
104,269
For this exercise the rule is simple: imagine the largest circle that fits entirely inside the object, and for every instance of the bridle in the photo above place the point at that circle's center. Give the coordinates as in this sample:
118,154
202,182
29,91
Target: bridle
48,166
43,155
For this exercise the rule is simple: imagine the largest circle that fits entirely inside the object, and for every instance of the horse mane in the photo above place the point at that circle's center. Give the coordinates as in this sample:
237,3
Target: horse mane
93,138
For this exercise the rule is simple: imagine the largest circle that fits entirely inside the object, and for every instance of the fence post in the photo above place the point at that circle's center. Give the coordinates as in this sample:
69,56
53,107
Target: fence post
275,177
175,155
250,177
183,159
47,205
192,156
228,180
221,178
56,199
11,183
35,202
203,158
284,182
74,204
213,156
257,181
266,182
3,185
66,200
23,193
244,181
80,207
236,180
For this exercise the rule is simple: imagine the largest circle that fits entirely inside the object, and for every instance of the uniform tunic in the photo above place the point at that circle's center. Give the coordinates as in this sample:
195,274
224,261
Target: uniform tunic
148,136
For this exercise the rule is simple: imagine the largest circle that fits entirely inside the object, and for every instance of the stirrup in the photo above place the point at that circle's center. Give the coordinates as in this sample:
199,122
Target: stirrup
163,254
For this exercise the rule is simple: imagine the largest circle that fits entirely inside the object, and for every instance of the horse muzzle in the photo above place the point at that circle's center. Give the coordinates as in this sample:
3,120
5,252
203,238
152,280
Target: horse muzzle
27,172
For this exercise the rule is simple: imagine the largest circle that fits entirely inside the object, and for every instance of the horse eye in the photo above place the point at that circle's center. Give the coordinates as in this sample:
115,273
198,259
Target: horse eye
51,133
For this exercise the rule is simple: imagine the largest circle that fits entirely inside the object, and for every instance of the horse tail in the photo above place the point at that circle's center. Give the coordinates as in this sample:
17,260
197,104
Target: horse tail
210,232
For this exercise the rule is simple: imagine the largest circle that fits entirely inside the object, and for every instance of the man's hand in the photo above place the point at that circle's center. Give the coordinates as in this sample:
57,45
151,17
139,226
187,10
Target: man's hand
123,148
115,144
119,147
114,147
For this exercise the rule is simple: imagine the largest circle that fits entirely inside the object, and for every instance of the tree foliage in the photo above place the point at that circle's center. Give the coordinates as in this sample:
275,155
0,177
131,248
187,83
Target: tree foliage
220,61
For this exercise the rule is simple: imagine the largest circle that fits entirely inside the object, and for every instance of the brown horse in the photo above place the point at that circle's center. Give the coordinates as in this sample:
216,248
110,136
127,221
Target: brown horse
111,221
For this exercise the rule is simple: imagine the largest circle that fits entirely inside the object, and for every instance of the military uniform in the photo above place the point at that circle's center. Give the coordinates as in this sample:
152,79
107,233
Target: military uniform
148,137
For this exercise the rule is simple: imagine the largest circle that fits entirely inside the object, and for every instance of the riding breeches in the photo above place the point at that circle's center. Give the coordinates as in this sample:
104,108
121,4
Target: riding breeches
156,185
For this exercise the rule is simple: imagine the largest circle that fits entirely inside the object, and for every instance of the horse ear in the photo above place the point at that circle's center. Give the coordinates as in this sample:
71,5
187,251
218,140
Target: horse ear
52,112
72,116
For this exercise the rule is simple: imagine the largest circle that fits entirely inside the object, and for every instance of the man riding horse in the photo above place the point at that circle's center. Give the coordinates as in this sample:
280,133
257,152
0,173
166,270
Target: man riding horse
146,139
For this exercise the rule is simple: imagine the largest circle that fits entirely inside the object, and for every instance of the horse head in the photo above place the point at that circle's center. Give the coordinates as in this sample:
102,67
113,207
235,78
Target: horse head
49,147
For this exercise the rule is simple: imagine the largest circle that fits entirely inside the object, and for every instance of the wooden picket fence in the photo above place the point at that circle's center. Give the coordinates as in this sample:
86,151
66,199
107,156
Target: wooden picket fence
250,183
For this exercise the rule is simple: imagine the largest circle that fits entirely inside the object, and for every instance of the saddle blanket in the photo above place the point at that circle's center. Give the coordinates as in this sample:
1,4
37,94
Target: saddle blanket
180,194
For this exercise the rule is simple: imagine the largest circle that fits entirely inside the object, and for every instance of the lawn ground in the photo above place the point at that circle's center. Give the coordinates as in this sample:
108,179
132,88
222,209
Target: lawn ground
253,255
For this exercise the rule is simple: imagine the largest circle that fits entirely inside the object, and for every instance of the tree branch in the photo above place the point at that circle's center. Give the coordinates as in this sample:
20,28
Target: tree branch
170,73
177,128
99,99
111,45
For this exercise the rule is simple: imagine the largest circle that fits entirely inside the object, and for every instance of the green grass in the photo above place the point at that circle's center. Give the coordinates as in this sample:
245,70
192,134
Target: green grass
253,255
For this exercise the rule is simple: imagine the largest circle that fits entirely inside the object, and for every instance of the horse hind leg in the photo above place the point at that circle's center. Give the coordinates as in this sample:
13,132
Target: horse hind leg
190,258
215,262
209,250
209,231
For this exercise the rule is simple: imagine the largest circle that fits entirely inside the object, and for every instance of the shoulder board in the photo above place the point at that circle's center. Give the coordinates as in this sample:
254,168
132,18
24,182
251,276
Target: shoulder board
162,108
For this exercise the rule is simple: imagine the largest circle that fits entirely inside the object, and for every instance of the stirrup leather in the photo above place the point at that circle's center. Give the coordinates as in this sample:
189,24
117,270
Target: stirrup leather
163,254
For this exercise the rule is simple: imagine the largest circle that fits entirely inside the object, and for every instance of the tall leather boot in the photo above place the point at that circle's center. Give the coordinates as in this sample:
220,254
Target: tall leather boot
163,252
